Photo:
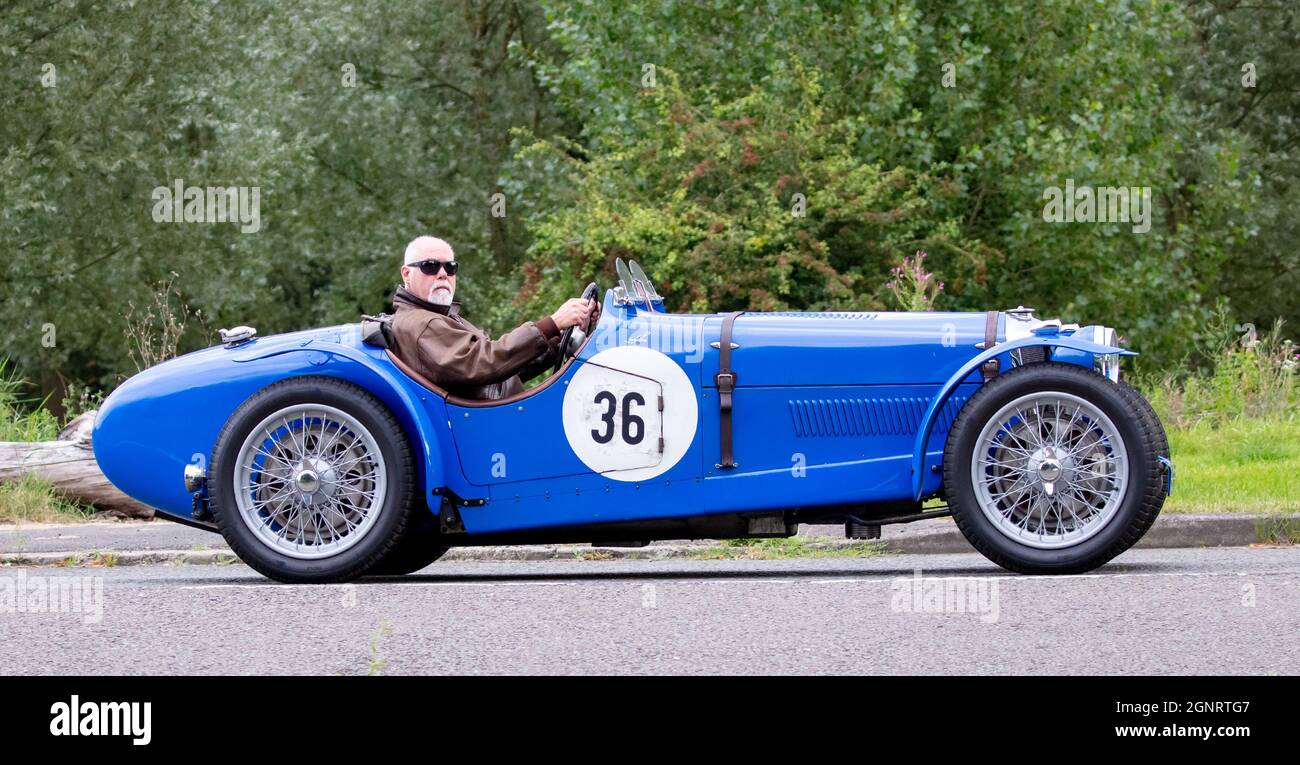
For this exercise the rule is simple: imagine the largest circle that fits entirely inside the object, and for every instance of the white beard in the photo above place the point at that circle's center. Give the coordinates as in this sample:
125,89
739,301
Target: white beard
439,295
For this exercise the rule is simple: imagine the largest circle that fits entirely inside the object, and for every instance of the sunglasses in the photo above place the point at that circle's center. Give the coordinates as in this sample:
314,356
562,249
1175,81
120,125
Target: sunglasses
432,267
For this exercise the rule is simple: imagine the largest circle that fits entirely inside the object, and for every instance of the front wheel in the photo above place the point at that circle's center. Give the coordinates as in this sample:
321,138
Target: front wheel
1054,469
312,480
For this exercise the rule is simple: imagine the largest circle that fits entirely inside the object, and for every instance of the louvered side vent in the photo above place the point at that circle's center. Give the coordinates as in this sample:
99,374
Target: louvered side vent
846,417
825,314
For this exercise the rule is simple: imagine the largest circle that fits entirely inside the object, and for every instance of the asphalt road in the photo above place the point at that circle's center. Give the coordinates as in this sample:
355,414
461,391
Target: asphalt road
1221,611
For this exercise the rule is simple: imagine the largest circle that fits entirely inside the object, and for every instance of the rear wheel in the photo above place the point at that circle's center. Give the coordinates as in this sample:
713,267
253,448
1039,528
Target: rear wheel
312,480
1052,468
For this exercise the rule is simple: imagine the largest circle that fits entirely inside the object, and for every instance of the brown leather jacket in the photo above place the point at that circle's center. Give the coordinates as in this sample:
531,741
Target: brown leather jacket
440,344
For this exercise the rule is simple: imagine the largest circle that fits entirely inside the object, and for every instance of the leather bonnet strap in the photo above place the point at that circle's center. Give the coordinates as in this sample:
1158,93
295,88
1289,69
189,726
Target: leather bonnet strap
726,382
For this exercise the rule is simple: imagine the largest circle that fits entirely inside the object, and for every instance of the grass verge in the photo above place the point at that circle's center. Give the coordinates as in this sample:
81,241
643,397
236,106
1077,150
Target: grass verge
32,500
1240,466
785,549
1277,530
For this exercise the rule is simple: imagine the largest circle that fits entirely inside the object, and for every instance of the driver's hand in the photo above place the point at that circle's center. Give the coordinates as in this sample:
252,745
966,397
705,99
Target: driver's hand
574,312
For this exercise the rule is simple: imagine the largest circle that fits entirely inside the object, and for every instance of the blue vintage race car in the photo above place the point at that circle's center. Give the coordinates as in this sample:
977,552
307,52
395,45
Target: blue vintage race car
321,457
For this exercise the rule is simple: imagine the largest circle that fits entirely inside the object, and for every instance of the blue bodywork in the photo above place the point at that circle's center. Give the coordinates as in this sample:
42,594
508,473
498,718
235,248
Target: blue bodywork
856,405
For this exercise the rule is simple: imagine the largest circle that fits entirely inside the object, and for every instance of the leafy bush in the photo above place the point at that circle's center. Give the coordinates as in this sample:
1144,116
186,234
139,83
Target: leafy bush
757,202
1236,374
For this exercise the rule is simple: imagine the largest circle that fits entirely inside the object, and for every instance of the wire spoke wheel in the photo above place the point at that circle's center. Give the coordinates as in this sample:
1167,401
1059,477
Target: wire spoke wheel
1050,470
310,481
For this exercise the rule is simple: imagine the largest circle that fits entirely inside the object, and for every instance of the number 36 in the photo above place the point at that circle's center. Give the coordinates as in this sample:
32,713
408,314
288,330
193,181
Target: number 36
631,422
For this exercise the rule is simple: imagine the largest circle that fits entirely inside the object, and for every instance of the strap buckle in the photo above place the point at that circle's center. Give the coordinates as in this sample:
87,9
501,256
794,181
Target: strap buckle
726,381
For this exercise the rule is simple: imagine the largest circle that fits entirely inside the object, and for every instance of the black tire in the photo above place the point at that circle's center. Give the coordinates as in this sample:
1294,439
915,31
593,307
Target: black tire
418,547
394,511
1137,426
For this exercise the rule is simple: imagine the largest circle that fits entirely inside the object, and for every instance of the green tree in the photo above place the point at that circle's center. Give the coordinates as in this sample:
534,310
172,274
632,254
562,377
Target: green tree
362,125
1037,93
1241,81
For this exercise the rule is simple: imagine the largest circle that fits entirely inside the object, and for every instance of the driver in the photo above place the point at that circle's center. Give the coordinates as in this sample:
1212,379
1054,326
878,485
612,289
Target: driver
431,336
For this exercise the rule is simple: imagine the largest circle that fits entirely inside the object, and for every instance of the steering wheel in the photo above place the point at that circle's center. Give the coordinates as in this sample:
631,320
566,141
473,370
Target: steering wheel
587,294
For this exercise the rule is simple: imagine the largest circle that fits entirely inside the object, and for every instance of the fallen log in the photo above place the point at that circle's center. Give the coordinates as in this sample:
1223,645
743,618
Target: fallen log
69,464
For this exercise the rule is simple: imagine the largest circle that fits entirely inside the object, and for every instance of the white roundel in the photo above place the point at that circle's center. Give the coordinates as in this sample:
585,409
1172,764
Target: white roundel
630,413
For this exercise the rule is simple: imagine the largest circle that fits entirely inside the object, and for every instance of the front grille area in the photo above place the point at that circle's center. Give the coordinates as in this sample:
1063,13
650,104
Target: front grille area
847,417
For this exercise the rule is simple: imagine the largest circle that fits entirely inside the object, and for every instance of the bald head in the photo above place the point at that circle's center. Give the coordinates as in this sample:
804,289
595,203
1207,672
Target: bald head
427,248
438,287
